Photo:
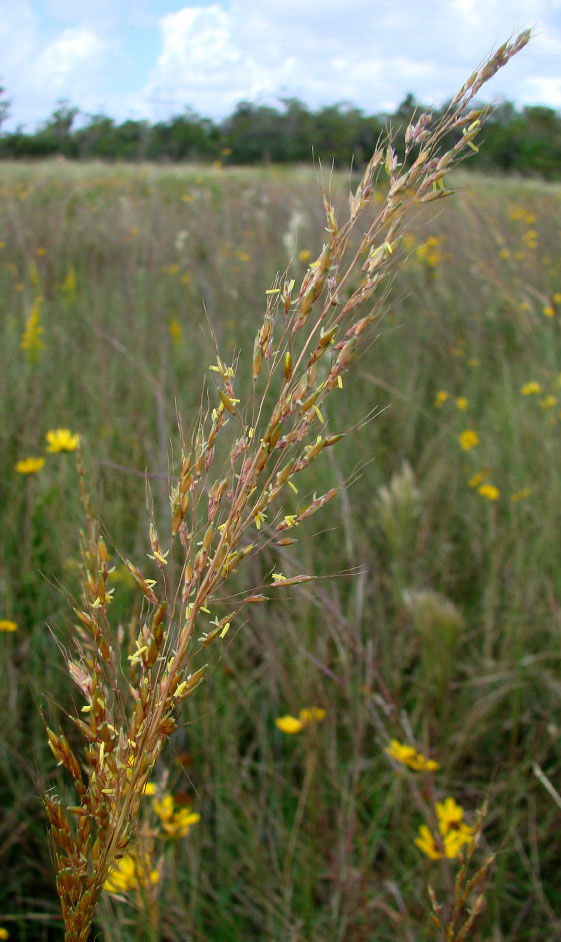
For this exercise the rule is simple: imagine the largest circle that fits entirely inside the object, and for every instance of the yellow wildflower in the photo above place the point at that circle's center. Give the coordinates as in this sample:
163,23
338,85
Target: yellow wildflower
6,625
468,439
453,830
473,361
489,491
122,876
128,874
429,253
409,756
175,330
440,398
531,388
309,715
449,813
548,402
452,842
31,340
557,298
304,255
452,826
4,934
461,403
29,465
60,439
306,717
548,311
181,823
176,822
426,842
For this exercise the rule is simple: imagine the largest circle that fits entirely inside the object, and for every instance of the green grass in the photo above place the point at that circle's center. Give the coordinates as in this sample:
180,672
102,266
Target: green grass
307,837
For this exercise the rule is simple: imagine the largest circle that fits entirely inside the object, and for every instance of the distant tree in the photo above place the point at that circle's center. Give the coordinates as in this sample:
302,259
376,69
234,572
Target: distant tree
526,141
54,136
185,137
96,138
298,124
252,134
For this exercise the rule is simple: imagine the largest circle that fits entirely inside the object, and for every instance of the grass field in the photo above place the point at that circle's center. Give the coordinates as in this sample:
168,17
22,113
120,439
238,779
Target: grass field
109,277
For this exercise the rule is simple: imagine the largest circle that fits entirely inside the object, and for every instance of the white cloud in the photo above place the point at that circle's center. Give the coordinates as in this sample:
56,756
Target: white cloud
101,54
64,59
39,69
212,57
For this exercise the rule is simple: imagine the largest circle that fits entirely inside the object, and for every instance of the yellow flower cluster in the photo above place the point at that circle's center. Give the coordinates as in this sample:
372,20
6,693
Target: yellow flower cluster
176,822
409,756
295,724
454,833
32,341
429,253
531,389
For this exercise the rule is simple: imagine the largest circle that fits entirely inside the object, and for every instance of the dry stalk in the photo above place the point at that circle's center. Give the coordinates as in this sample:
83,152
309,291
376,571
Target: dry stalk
303,349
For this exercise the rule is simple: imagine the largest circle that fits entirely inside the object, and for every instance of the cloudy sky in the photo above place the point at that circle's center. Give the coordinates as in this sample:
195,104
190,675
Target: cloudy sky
153,58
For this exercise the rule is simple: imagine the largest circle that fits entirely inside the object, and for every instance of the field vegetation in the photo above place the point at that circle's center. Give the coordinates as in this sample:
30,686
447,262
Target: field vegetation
435,620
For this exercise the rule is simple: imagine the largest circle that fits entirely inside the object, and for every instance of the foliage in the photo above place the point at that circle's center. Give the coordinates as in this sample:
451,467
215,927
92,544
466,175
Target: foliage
524,141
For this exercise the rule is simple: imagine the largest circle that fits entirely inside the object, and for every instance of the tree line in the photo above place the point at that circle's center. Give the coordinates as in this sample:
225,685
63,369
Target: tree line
524,141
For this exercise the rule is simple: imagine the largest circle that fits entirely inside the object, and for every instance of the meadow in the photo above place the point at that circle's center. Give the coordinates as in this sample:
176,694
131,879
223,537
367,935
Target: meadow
435,620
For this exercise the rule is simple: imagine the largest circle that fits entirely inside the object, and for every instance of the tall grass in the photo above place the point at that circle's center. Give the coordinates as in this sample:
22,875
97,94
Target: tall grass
321,818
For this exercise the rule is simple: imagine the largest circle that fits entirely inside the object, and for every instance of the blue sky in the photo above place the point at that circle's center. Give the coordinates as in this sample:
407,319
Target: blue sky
154,58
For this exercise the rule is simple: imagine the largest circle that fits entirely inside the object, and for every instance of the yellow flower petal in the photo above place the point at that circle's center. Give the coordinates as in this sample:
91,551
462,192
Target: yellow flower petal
468,439
61,439
6,625
29,465
289,724
489,491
